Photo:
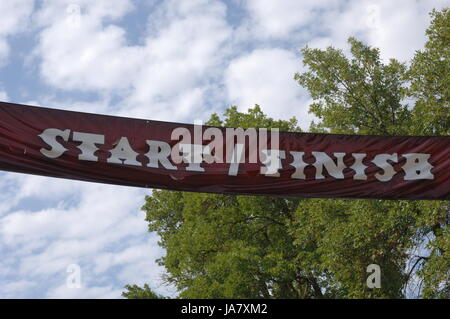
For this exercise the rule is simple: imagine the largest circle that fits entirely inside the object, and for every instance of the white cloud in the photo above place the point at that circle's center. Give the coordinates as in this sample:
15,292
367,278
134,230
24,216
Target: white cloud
97,292
20,187
4,96
100,106
9,196
266,77
12,289
278,19
81,49
4,51
109,203
166,78
185,53
399,27
14,17
396,27
100,230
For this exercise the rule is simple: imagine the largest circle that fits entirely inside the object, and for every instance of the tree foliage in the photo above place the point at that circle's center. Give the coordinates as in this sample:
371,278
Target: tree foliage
136,292
430,78
361,95
221,246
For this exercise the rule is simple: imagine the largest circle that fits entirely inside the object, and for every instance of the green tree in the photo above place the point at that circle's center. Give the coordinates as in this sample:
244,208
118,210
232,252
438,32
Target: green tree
136,292
430,86
430,78
221,246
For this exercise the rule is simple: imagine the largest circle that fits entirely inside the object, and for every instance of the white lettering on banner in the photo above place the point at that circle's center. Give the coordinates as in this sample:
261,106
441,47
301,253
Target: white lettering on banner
381,160
161,155
299,165
159,152
417,166
88,145
49,136
323,160
359,167
123,154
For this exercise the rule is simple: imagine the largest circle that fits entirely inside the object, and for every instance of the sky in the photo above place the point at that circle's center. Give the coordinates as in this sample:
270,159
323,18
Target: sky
177,61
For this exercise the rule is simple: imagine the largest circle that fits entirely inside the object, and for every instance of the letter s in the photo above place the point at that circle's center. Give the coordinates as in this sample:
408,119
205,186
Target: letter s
49,136
381,160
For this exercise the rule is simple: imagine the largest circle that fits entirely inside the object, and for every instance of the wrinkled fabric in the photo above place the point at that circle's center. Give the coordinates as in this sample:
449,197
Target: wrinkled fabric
20,151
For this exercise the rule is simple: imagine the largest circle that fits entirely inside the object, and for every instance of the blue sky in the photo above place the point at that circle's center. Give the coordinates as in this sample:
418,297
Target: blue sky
164,60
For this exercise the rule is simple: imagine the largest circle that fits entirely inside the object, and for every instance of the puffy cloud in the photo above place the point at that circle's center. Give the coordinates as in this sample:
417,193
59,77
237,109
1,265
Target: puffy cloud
15,288
266,77
185,54
102,105
81,49
278,19
4,96
4,51
396,27
100,229
9,196
96,292
14,17
167,77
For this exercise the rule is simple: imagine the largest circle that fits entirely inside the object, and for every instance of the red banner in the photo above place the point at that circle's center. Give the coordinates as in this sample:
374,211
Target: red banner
133,152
